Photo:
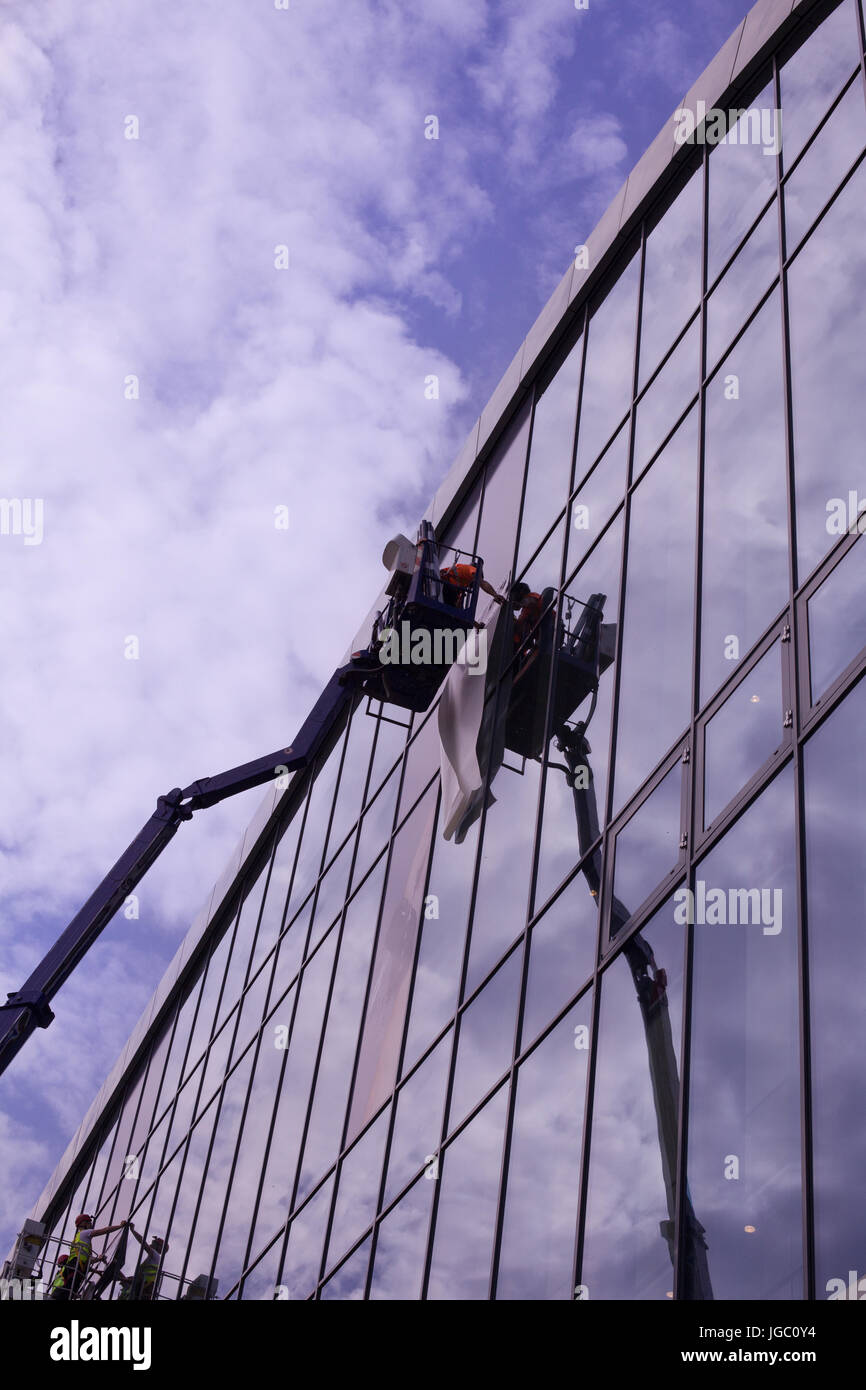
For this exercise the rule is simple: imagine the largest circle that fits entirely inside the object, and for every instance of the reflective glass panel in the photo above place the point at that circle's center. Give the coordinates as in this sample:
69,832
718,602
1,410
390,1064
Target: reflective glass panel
742,174
657,642
501,501
835,854
506,861
742,285
827,313
402,912
745,569
631,1208
550,453
745,732
559,850
349,1282
822,167
303,1042
486,1039
300,1271
358,1192
440,957
597,499
398,1268
813,76
561,954
744,1114
537,1255
607,386
418,1124
469,1172
672,274
667,397
837,621
334,1075
647,848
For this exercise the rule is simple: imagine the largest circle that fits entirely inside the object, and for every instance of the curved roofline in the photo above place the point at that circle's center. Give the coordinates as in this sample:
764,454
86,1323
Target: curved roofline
736,64
758,35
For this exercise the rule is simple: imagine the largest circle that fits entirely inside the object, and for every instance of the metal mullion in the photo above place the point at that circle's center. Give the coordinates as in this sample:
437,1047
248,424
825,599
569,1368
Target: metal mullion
342,1150
220,1096
167,1136
344,738
641,394
162,1165
581,377
215,1031
586,1132
334,1270
741,245
490,1093
496,696
565,883
556,609
185,1145
651,785
296,985
794,657
609,791
324,1031
221,1226
703,836
221,1089
807,1180
761,644
813,225
525,481
283,930
266,871
607,810
286,1229
416,803
459,1011
123,1178
837,99
400,1080
291,1213
526,938
114,1137
695,792
835,693
170,1027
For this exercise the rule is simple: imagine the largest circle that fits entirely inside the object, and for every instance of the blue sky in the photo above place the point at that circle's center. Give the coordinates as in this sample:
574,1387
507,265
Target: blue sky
257,387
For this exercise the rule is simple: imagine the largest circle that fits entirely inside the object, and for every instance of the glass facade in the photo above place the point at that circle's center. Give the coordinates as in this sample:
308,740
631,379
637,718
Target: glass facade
609,1060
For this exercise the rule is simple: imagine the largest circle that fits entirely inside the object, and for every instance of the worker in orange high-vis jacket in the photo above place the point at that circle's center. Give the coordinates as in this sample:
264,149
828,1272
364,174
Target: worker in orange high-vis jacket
527,606
456,582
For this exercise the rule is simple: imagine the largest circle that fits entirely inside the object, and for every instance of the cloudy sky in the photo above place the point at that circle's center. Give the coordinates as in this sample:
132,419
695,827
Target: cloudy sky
230,259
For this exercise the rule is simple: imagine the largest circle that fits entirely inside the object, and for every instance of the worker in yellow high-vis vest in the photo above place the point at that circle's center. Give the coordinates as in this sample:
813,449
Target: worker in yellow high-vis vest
144,1284
81,1255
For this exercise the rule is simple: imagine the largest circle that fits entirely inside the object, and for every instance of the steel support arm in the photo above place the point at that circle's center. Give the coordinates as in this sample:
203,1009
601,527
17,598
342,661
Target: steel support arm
28,1008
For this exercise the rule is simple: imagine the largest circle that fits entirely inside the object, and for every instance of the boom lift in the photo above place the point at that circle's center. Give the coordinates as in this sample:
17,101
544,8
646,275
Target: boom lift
592,649
416,595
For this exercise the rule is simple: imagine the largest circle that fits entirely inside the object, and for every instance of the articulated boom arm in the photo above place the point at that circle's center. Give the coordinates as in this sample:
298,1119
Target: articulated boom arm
28,1009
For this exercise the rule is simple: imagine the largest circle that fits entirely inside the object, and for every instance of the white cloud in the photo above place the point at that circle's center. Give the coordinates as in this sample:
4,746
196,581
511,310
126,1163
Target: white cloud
258,387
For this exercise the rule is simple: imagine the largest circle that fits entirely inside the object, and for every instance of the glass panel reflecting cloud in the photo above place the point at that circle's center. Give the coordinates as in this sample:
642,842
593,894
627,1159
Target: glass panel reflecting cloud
629,1247
744,1116
537,1256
